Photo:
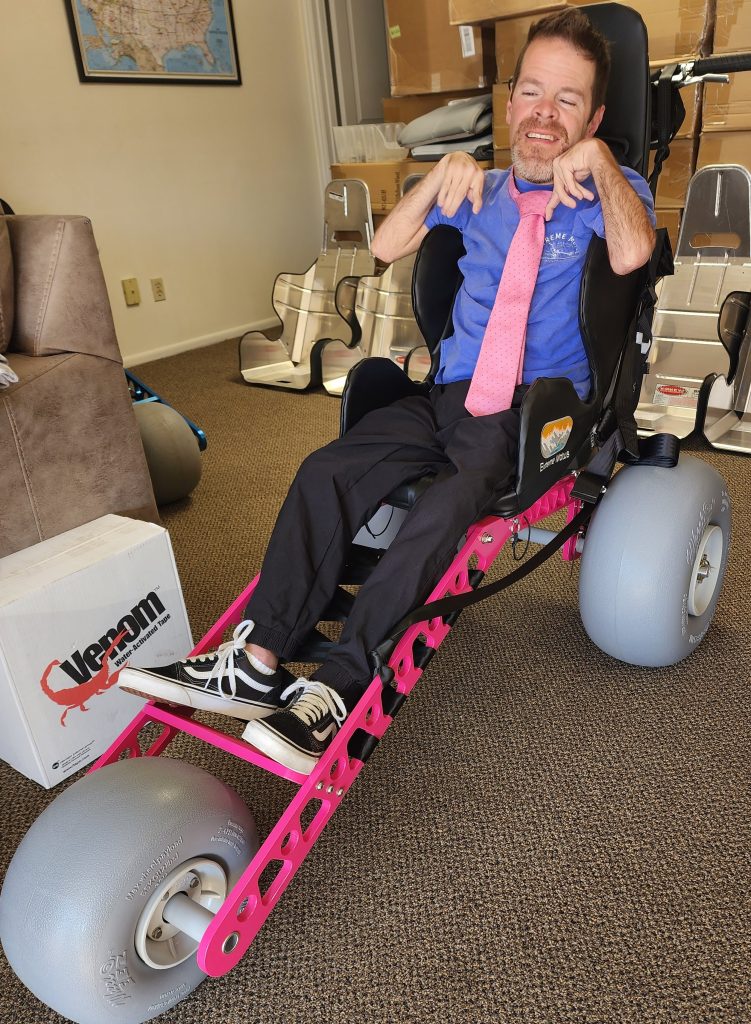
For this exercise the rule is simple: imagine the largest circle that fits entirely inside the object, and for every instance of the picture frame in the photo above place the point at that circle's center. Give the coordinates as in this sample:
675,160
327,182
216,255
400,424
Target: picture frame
175,42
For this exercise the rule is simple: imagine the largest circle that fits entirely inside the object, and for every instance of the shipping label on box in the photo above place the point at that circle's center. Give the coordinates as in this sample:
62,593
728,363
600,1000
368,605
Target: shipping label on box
73,610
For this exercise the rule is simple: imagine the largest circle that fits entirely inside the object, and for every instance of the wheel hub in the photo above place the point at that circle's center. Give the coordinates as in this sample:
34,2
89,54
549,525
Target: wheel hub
161,944
705,573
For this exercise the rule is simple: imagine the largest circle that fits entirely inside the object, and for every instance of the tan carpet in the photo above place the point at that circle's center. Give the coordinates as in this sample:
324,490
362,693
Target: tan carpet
545,836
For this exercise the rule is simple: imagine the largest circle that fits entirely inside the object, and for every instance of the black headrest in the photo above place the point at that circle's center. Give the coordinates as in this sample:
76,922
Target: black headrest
626,124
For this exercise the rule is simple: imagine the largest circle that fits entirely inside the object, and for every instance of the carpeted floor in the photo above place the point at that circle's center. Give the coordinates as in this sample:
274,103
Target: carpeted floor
545,836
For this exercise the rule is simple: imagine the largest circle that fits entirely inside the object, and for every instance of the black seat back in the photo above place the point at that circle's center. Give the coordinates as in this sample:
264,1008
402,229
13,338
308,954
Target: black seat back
626,124
436,279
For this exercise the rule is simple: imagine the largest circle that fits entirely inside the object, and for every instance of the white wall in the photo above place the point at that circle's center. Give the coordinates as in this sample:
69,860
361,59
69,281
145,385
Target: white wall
213,188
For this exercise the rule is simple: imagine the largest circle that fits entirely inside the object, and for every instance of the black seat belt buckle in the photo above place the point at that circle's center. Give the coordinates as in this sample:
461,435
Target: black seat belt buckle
588,487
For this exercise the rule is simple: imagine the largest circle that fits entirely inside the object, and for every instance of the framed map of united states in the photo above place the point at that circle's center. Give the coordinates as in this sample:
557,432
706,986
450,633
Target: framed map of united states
174,41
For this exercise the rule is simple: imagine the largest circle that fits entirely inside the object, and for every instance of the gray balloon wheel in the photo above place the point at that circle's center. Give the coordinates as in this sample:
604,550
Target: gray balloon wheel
171,448
81,888
654,561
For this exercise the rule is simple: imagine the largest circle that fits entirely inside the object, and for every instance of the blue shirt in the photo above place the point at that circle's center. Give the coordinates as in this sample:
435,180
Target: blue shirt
554,346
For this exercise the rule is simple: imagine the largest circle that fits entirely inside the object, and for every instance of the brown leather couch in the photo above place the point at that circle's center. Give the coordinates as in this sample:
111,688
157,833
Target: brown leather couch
70,450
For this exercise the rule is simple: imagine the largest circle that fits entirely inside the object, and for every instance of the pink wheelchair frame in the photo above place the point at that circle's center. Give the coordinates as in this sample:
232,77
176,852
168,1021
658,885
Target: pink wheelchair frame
250,902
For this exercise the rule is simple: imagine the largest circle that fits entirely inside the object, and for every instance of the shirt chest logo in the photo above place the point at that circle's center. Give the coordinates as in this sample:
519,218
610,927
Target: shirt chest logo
560,245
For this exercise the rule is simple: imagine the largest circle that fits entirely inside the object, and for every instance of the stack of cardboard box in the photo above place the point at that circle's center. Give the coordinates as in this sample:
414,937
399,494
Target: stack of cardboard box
445,49
726,113
677,30
431,62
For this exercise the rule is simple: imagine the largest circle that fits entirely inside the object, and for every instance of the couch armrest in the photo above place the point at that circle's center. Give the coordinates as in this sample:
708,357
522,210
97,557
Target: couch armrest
61,302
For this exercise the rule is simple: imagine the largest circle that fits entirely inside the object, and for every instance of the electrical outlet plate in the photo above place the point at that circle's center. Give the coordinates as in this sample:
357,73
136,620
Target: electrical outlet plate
131,291
157,289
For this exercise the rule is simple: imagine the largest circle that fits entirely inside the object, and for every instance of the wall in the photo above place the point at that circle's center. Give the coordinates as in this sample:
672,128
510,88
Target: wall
213,188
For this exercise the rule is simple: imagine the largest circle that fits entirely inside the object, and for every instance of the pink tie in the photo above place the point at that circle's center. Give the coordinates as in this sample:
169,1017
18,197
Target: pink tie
501,359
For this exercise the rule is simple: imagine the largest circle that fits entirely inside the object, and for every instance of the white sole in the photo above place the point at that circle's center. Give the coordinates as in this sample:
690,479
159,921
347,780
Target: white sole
273,746
144,684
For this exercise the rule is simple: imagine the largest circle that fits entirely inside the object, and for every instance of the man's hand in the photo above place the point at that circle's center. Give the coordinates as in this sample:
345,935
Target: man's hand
453,179
462,179
629,233
573,167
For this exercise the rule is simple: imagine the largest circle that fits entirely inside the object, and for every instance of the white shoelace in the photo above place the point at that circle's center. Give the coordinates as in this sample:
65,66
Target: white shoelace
225,659
314,701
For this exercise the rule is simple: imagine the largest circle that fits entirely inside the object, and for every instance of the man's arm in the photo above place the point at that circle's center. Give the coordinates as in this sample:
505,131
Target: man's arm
454,178
629,233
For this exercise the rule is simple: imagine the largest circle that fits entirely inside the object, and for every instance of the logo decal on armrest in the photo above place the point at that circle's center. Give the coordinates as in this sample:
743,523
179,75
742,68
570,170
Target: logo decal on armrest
554,436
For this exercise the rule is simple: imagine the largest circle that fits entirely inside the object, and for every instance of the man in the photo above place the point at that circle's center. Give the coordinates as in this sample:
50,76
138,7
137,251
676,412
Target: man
463,431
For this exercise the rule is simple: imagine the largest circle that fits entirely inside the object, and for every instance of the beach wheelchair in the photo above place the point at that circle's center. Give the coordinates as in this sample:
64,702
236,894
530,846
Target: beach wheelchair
148,874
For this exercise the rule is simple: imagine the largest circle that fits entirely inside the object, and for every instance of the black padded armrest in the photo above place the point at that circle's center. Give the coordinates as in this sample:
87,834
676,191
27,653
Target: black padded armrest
554,437
372,384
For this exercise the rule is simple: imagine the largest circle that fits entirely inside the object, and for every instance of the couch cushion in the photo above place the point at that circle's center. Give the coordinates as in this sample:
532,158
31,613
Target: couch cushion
70,449
6,287
61,298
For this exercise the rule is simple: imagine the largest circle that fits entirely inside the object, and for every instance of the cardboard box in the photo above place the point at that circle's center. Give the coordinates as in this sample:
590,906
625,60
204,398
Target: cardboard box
677,29
408,108
463,12
502,158
675,175
385,180
63,605
501,94
670,219
692,101
724,148
727,107
732,30
427,54
510,37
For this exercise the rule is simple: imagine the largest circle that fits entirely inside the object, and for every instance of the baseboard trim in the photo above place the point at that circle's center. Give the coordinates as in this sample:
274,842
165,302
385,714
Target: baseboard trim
190,343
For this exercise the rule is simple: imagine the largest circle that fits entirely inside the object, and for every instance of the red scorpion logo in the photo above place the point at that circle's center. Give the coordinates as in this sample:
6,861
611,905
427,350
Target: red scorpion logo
76,696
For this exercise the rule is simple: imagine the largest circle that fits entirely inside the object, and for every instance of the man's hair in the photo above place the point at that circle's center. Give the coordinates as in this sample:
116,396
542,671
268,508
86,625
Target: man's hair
575,28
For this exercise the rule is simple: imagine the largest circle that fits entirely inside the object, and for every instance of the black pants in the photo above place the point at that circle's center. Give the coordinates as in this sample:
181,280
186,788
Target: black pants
340,487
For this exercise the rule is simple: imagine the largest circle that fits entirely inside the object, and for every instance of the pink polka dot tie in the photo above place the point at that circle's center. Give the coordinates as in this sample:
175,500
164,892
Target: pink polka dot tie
499,365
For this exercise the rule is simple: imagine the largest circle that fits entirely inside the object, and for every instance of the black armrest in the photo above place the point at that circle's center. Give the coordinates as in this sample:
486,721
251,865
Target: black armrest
554,438
372,384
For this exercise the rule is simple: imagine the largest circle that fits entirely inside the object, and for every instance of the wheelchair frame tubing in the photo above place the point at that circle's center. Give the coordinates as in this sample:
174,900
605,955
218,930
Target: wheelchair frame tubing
255,894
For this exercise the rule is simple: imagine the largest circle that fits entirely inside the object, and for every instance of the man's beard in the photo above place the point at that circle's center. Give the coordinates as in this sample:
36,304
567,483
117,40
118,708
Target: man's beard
529,161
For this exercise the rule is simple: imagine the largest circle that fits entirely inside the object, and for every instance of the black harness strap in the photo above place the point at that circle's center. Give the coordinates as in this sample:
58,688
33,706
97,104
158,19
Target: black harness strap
591,484
457,602
656,450
669,115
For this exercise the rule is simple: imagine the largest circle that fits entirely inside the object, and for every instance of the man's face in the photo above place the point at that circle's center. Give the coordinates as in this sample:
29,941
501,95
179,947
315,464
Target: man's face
549,110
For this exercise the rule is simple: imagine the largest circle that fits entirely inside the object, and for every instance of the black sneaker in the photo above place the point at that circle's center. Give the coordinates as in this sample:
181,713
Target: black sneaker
297,735
223,681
